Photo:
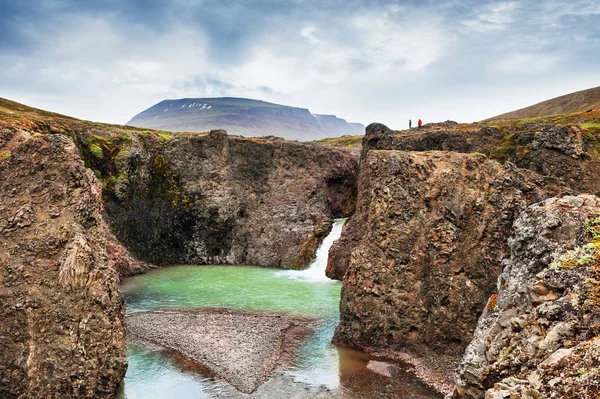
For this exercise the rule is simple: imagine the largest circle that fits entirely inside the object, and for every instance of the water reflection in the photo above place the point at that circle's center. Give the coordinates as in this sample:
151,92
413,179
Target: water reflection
329,371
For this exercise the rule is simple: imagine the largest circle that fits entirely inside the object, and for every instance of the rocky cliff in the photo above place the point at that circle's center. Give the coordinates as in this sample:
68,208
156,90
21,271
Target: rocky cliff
538,336
207,198
220,199
62,331
568,149
424,248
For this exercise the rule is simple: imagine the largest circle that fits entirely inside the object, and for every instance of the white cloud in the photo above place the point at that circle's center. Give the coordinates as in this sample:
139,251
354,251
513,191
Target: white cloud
378,63
308,33
494,17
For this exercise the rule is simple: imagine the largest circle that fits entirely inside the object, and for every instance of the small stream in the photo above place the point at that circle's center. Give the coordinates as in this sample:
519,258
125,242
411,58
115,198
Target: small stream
337,372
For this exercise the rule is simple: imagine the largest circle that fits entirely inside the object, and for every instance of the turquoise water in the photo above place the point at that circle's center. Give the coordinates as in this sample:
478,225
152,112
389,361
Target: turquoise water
154,373
237,287
151,374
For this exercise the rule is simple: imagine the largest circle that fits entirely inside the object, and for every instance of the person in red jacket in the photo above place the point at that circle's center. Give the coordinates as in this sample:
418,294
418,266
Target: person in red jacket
420,123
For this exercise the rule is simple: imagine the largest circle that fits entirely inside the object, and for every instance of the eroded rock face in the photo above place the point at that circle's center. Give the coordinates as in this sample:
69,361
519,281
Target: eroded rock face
424,247
563,152
62,330
538,338
218,199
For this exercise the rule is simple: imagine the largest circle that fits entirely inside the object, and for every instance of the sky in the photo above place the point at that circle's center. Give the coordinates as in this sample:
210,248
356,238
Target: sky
365,61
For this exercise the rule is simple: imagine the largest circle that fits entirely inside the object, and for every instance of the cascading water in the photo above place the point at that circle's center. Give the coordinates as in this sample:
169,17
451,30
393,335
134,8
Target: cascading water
316,270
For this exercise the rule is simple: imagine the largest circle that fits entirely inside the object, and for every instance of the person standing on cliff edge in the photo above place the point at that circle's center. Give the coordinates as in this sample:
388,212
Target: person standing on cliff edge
410,124
420,123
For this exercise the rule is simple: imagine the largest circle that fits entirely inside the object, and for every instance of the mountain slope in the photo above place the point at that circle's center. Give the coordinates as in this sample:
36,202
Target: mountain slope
574,102
242,116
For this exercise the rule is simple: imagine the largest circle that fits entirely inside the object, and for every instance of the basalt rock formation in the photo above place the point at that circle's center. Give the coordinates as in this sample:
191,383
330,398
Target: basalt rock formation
207,198
62,331
563,151
424,248
538,337
220,199
421,256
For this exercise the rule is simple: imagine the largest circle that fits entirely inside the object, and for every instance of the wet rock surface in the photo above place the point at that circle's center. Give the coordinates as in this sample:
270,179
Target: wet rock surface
538,337
243,348
62,330
425,246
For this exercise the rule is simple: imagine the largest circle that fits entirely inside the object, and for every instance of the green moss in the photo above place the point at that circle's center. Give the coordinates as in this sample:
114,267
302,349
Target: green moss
590,126
4,155
585,255
164,137
112,181
505,149
343,141
96,151
166,182
505,354
592,226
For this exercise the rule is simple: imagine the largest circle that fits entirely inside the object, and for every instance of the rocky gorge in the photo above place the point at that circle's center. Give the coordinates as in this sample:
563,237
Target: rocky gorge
470,247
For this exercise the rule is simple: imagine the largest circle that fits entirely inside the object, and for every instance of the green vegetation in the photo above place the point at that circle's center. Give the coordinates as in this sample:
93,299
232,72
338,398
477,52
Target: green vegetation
590,126
96,151
167,183
585,255
164,137
343,141
505,354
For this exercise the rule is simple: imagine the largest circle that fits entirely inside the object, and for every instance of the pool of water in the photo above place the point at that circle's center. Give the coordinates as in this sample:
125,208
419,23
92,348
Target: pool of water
156,373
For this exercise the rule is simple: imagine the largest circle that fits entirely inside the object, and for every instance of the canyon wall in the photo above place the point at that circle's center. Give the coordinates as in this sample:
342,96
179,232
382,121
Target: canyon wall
538,337
421,256
220,199
189,198
62,331
424,247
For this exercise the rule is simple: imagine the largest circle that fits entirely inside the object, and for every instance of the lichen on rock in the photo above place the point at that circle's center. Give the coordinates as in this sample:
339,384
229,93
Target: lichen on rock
548,316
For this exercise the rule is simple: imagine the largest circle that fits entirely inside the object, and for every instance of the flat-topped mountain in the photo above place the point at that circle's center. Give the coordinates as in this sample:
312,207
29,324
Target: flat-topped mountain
242,116
579,101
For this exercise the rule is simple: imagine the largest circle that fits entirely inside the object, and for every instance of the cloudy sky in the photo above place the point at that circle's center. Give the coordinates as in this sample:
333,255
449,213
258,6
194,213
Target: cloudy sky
365,61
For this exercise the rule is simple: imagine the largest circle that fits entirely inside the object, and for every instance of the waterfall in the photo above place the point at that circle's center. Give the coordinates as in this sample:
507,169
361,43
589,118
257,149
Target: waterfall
316,270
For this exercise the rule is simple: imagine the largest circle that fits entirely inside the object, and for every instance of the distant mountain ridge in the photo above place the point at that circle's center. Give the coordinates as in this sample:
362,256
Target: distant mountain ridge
578,101
245,117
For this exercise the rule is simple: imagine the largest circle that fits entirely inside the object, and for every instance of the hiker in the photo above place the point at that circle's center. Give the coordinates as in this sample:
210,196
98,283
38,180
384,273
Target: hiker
409,124
420,123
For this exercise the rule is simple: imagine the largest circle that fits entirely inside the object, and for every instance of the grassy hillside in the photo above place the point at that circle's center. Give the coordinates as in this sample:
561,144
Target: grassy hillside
580,101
